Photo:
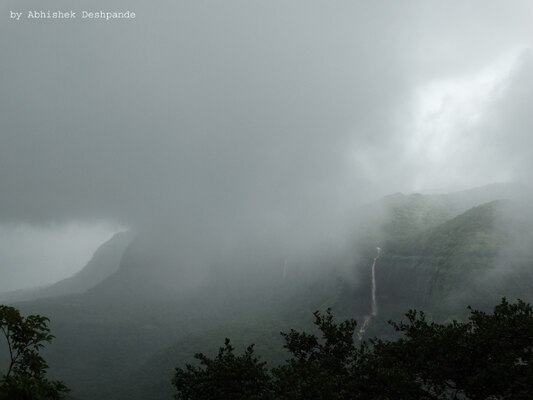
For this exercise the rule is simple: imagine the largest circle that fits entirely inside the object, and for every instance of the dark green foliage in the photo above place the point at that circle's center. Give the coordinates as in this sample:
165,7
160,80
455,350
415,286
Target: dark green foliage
318,369
25,378
227,376
490,356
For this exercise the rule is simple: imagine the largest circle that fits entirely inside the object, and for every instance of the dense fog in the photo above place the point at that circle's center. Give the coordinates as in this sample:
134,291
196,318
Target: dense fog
263,125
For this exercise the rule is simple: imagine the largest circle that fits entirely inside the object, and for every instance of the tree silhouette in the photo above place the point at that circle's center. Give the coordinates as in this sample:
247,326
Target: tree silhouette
227,377
489,356
25,378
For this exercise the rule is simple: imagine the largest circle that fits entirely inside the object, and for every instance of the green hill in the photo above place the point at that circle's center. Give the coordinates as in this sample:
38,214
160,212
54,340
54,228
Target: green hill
121,339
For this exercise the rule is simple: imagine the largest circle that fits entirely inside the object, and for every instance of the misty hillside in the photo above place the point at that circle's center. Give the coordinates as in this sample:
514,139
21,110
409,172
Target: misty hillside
166,301
400,217
164,263
270,159
104,262
437,266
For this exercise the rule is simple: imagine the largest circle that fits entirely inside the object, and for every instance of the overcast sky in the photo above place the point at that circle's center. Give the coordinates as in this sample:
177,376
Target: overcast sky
254,115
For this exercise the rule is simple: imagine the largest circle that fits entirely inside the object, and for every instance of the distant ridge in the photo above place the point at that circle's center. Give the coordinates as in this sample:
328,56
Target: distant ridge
104,262
401,215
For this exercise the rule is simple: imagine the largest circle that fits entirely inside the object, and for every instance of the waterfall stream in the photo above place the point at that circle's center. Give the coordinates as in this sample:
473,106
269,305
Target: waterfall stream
374,310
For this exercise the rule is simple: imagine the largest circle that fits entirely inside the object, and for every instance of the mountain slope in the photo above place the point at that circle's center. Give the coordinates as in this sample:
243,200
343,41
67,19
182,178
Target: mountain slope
154,313
104,262
400,216
473,258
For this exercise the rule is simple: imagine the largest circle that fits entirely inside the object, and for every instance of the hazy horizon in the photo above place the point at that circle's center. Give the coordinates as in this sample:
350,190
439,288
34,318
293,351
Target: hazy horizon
242,119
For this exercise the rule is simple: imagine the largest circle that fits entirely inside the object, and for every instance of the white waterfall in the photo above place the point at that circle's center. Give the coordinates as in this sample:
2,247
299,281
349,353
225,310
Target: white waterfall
374,310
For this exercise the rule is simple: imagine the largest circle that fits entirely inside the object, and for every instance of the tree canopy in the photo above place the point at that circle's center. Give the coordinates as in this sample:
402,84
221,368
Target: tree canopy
488,356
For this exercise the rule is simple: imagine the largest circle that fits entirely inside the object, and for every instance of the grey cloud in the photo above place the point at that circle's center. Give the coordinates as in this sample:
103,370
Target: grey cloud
242,114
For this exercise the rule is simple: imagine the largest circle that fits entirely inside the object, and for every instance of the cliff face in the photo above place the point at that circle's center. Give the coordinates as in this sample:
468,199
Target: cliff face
439,252
473,259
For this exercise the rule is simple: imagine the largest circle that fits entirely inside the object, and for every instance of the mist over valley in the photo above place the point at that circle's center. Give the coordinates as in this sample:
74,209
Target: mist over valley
213,170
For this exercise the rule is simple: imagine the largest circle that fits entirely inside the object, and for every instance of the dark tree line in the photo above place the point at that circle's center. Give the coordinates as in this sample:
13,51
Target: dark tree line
487,357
